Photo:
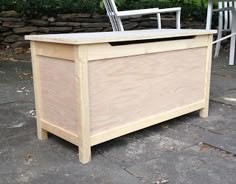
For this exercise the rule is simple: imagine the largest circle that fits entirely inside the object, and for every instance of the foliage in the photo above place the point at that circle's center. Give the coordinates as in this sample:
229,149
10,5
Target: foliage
50,7
190,8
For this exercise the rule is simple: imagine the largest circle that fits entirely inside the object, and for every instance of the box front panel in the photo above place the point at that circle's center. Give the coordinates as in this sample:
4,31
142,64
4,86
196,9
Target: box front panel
128,89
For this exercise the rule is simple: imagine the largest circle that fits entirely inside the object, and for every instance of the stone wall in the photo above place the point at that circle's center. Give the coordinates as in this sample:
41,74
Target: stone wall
13,27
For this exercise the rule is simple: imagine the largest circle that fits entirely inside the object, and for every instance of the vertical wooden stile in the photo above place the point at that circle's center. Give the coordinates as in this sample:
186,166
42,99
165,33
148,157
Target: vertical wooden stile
205,111
42,134
82,101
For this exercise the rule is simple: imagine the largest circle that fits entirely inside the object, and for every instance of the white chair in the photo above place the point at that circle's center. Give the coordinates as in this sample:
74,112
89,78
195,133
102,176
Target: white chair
115,15
224,22
226,12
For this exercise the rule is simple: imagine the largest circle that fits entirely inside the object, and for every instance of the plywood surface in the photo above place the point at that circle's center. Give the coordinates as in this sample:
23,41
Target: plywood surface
55,50
57,80
106,51
128,89
103,37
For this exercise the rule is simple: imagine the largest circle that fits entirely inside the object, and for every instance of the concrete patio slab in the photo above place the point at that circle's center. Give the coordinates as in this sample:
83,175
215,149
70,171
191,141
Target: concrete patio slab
24,159
190,166
229,97
223,142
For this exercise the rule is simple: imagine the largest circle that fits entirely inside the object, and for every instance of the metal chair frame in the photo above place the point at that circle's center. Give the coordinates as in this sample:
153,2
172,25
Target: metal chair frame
115,15
226,23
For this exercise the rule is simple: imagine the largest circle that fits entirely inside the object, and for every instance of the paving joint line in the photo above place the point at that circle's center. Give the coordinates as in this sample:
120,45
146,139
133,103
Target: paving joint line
184,149
18,101
222,103
211,131
139,178
218,74
120,166
220,149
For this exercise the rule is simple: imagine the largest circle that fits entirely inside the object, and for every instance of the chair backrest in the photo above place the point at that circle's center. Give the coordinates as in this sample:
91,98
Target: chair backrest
226,16
112,14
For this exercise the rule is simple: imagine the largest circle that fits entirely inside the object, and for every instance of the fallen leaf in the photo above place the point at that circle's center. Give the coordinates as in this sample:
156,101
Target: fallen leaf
204,147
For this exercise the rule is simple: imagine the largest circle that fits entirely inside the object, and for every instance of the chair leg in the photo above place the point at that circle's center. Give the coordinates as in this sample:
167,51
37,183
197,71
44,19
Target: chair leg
159,20
233,39
218,46
119,22
219,35
232,50
209,14
178,20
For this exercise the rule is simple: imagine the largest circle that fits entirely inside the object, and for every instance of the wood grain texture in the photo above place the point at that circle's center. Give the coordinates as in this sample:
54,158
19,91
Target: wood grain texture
106,51
57,79
128,89
60,132
143,123
54,50
205,111
105,37
82,100
42,134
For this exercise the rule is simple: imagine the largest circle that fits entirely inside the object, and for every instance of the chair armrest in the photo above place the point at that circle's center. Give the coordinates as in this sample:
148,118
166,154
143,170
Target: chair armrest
137,12
147,11
169,10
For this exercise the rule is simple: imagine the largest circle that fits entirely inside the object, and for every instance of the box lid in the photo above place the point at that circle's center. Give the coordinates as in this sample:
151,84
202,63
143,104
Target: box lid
103,37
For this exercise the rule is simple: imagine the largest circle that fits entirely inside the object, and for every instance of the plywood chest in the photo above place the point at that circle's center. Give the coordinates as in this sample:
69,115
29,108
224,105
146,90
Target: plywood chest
94,87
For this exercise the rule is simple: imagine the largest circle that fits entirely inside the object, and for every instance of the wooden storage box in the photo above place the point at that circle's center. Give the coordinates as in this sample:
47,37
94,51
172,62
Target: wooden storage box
93,87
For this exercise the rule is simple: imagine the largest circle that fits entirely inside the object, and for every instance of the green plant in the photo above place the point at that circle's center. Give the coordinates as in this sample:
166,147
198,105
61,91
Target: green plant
7,4
191,9
50,7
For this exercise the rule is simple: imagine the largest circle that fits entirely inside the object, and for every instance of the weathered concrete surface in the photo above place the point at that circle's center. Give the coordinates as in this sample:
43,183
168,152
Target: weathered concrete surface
188,166
186,150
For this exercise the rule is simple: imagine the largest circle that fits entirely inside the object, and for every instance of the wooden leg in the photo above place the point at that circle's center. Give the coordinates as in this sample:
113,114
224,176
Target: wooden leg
84,155
82,88
204,112
42,134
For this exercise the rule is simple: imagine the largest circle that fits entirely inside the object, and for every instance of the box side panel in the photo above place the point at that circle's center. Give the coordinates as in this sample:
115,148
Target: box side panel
124,90
58,98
